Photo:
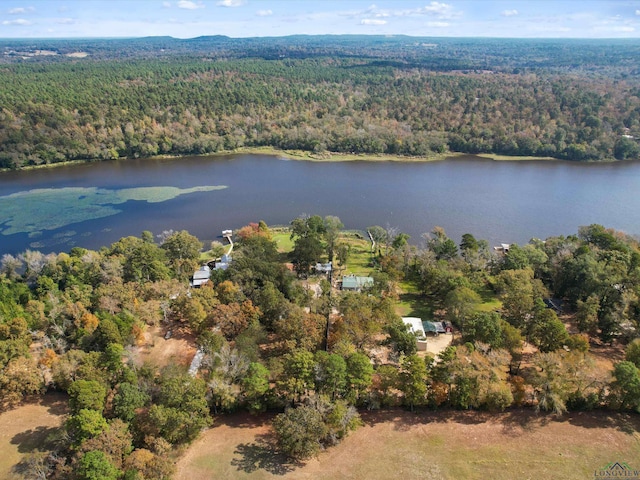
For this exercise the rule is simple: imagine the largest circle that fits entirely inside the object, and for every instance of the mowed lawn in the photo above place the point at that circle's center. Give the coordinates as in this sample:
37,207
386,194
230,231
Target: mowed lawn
26,429
427,445
359,262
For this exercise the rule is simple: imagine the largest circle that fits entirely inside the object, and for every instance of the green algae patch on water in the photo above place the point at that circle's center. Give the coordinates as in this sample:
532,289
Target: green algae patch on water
32,211
160,194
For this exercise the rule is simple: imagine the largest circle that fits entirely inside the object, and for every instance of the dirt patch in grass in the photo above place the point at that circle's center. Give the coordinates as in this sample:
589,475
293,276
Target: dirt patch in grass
437,344
607,355
28,429
160,351
426,445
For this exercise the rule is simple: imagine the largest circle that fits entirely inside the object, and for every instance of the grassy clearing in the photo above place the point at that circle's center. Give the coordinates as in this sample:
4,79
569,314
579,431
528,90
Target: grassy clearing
160,351
412,302
414,305
490,306
28,429
490,302
427,445
282,237
359,261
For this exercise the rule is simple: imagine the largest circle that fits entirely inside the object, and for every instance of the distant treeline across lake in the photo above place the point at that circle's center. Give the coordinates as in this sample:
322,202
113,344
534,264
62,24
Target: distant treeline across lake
410,96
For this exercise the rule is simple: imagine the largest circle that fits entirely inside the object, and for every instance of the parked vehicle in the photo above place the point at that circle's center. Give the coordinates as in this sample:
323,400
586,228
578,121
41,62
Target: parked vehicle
430,328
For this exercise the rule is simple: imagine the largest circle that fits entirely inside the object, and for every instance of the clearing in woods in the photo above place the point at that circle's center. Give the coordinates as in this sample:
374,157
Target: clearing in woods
26,429
427,445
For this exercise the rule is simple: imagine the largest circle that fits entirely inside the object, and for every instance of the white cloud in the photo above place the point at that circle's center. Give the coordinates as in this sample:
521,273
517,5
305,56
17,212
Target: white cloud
638,12
166,4
189,5
510,13
372,21
18,22
20,10
439,10
65,21
264,13
373,15
230,3
438,24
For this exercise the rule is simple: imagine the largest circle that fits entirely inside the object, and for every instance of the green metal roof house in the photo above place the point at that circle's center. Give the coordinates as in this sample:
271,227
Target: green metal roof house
353,283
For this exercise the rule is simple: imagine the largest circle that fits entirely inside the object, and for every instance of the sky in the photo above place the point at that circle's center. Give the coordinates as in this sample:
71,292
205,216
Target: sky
260,18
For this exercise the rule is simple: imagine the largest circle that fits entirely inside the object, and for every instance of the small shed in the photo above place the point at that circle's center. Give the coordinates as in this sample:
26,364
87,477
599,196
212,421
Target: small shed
355,284
323,267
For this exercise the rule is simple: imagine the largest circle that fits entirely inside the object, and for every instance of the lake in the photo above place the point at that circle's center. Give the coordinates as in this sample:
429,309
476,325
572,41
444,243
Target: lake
95,204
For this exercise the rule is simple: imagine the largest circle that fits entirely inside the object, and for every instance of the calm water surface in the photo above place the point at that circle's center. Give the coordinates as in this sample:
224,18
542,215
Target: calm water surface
497,201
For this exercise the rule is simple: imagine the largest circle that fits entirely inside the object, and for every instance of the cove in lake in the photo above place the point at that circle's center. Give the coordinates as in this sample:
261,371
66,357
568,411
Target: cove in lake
497,201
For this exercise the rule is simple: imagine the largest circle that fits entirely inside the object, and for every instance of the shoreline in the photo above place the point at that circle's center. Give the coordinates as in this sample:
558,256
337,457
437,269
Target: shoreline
302,155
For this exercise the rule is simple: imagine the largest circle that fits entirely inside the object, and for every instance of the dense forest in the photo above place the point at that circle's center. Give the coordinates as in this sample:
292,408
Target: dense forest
273,334
567,99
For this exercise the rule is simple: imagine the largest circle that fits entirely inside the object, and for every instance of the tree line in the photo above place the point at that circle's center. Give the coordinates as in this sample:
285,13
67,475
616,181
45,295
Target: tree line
386,98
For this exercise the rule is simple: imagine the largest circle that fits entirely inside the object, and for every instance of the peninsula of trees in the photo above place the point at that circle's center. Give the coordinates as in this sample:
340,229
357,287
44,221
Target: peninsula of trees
275,335
406,96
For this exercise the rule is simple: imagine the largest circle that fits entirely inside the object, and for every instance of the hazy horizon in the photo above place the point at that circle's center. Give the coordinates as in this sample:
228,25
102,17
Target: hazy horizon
68,19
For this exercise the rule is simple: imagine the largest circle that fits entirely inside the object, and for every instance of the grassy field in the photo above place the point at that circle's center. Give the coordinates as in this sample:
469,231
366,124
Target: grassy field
427,445
414,305
359,262
26,429
490,302
282,237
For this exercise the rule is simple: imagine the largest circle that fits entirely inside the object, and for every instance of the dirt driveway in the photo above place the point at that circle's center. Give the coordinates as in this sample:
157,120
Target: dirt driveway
435,345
